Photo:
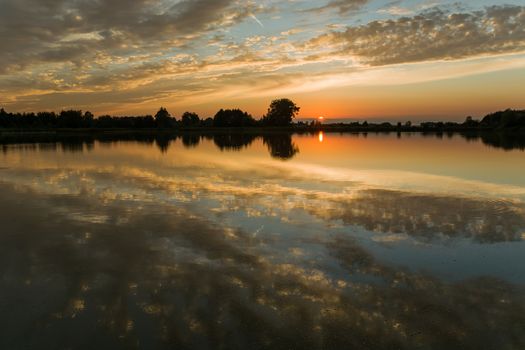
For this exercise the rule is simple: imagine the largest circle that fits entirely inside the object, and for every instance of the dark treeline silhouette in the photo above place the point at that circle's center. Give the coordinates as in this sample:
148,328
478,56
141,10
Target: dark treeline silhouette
281,113
508,120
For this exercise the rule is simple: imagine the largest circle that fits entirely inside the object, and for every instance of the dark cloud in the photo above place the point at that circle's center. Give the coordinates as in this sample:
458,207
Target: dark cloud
34,31
432,35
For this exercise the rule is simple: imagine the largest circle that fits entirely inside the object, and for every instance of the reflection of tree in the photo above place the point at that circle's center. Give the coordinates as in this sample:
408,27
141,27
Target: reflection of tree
76,141
281,146
72,145
115,277
506,141
234,141
190,140
163,142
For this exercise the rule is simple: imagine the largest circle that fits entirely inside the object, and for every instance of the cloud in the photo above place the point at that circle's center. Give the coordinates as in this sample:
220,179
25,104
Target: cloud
342,6
34,31
122,56
396,11
432,35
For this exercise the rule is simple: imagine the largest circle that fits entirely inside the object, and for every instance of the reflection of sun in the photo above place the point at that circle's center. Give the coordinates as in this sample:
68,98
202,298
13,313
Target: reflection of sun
321,136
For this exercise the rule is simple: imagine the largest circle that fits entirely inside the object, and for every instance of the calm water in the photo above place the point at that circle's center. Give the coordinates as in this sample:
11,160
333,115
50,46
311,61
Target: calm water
235,241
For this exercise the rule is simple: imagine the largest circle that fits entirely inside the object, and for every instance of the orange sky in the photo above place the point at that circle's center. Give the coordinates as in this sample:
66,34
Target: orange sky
358,59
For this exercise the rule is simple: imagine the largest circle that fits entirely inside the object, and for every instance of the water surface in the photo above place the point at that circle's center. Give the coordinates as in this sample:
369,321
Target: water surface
277,241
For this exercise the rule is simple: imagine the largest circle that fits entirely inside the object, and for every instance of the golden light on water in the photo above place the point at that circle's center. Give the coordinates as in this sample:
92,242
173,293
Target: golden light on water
321,136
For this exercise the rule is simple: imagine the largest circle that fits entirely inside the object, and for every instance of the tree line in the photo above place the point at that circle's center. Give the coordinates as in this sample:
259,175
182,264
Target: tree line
507,121
280,113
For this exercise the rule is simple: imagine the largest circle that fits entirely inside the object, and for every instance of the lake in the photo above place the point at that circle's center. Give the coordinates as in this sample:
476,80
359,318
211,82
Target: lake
276,241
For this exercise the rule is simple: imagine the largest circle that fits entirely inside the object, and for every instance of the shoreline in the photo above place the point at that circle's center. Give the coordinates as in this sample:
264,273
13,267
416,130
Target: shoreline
255,130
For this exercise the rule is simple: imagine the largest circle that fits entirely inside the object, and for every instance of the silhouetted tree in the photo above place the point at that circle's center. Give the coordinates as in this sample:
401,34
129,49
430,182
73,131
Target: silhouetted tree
280,113
232,118
508,119
162,118
88,119
71,119
190,119
47,119
470,122
208,122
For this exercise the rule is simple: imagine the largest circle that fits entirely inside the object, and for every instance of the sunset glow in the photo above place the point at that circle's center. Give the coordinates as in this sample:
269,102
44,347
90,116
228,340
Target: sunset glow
359,59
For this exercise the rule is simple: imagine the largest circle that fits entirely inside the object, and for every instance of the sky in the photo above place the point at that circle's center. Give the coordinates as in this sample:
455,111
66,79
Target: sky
361,59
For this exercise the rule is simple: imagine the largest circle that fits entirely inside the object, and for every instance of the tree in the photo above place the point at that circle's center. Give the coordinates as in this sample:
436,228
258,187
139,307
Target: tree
281,113
88,119
190,119
208,122
70,119
232,118
47,119
162,118
470,122
4,118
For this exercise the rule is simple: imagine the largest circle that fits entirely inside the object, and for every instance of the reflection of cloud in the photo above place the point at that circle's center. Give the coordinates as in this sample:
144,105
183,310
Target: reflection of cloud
429,217
166,277
259,190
